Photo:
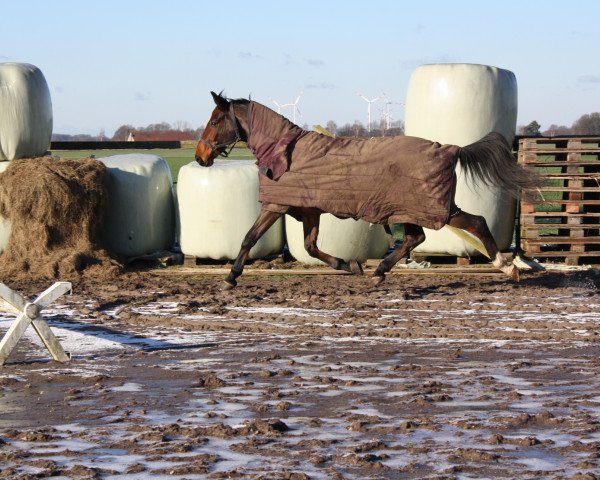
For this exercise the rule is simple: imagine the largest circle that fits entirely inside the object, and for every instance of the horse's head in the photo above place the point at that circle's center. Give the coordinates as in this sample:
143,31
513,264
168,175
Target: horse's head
221,132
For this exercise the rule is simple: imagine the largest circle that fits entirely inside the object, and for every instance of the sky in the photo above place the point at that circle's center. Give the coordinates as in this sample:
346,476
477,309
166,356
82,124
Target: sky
110,63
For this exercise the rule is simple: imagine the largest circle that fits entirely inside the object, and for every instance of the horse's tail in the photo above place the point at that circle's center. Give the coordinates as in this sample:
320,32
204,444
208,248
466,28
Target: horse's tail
492,161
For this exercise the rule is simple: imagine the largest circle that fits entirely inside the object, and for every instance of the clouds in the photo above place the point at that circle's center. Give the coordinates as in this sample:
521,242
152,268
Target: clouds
288,60
588,83
589,79
313,62
141,97
248,56
321,86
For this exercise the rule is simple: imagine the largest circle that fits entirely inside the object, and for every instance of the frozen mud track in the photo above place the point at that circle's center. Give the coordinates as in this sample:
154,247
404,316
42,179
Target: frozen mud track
310,377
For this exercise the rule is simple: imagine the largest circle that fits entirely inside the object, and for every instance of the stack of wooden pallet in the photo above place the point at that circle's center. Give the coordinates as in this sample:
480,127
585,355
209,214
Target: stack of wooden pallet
565,222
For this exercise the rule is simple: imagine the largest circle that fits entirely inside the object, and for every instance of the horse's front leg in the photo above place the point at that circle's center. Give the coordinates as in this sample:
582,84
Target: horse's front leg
413,236
264,221
310,224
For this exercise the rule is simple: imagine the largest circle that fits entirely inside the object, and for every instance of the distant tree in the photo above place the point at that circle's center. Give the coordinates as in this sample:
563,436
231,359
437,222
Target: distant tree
533,129
157,127
555,130
588,124
79,137
183,126
60,137
345,130
397,128
122,133
359,129
84,137
355,129
331,127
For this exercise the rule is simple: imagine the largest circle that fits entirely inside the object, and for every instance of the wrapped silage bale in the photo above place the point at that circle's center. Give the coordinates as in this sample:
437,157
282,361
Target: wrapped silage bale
5,227
25,111
217,206
347,239
459,104
141,216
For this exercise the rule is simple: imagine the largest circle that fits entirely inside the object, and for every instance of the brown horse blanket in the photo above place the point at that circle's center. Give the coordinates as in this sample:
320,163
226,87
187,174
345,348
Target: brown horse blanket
381,180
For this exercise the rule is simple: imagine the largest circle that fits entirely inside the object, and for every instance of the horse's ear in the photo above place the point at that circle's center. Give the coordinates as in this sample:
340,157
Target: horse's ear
220,101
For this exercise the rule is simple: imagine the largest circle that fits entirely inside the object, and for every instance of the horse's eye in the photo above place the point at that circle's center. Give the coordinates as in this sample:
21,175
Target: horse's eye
213,123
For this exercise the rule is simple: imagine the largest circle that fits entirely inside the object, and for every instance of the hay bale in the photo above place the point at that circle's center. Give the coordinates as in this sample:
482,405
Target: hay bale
464,114
141,219
25,111
217,207
56,208
348,239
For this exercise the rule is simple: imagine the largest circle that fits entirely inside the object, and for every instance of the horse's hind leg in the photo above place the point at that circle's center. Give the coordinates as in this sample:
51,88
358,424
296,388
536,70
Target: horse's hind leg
264,221
476,225
413,236
310,224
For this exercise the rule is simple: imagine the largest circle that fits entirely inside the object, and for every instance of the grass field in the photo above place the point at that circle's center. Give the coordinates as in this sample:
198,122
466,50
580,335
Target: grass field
175,158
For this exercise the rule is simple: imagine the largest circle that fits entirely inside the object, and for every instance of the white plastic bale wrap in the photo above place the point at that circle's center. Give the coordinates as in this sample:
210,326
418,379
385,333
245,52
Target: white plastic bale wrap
25,111
217,207
141,216
459,104
347,239
5,227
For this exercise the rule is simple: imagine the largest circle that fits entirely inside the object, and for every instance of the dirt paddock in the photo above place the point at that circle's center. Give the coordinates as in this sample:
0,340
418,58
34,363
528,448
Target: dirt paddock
321,377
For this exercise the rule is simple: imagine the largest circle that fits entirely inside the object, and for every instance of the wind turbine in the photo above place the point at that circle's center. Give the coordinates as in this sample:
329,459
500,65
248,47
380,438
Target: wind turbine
294,106
387,115
369,102
279,106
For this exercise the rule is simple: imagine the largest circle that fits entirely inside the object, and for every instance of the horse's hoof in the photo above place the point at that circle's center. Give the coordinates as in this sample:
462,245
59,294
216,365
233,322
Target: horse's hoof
229,284
377,279
355,267
514,273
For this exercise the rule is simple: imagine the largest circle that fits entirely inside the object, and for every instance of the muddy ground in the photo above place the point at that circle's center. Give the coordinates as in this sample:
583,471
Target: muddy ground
320,377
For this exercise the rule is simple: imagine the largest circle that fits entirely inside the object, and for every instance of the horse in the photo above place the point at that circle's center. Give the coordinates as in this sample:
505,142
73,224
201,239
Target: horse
383,180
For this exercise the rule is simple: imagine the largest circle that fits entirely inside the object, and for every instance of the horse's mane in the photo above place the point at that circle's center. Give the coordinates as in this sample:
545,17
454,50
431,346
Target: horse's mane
243,101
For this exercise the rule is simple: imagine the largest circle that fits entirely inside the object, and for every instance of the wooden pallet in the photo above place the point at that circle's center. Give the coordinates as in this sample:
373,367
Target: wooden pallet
565,222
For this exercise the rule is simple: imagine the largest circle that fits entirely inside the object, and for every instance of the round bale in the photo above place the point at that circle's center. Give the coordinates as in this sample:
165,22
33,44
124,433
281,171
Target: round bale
347,239
25,112
217,207
141,216
459,104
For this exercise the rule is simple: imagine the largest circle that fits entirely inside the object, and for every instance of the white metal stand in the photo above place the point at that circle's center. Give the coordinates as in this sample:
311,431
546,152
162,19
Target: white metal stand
30,313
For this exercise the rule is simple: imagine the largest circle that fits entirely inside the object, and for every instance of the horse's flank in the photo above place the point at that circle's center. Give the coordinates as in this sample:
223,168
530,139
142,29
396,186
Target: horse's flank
381,180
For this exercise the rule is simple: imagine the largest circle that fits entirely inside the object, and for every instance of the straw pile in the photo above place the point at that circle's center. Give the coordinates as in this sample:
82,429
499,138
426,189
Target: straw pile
56,208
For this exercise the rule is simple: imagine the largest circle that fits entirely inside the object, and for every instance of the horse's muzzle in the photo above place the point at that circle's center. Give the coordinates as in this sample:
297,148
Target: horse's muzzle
204,163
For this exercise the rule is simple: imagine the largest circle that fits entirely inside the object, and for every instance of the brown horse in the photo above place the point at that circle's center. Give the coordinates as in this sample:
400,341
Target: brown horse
385,180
